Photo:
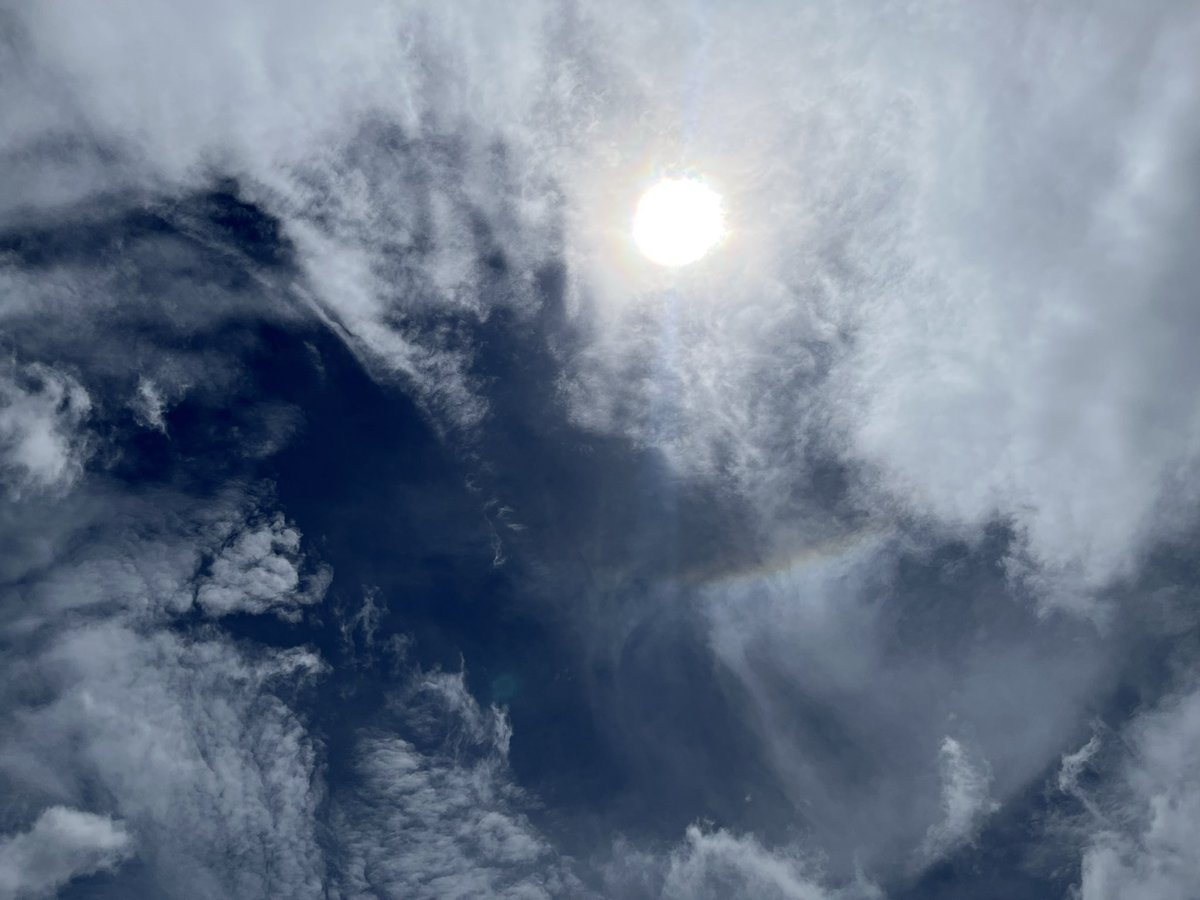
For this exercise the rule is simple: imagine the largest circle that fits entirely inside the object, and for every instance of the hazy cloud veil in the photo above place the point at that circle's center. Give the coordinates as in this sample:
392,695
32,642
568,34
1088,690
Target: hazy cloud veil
375,522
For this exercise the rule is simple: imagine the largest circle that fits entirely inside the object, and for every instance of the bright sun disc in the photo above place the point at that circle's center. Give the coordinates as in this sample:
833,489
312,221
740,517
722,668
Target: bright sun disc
677,221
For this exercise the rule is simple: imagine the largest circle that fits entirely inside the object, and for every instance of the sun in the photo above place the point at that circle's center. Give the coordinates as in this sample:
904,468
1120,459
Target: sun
677,221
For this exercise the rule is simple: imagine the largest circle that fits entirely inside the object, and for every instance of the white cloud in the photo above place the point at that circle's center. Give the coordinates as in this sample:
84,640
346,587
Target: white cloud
62,844
42,446
930,272
160,554
936,273
176,732
257,569
716,863
966,800
312,109
937,278
848,664
446,821
215,775
293,76
1143,847
149,405
1074,763
1031,362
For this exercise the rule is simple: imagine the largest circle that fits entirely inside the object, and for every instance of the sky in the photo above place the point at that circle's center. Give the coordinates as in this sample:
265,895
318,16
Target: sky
376,522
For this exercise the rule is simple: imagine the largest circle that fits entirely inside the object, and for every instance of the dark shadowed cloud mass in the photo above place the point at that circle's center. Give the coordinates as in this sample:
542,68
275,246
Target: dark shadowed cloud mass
376,523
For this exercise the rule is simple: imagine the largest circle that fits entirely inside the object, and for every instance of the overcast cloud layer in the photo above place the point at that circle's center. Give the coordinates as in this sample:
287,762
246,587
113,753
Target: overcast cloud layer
375,522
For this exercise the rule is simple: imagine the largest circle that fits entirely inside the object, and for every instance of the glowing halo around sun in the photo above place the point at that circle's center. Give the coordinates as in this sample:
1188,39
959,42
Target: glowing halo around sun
677,221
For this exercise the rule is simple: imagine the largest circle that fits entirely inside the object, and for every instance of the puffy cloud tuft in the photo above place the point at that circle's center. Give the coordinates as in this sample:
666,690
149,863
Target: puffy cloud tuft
61,845
257,569
41,412
714,865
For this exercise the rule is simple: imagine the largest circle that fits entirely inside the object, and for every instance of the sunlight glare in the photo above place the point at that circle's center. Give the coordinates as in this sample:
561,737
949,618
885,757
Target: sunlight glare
677,221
